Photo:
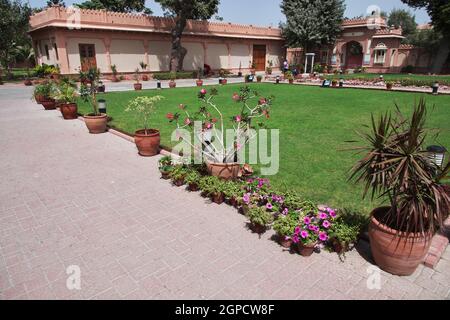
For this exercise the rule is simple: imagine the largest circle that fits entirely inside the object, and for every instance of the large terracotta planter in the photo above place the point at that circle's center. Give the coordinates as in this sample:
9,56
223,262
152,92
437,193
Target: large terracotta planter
199,83
306,250
28,82
291,81
389,86
49,104
69,111
138,86
96,124
147,142
172,84
227,171
396,253
39,98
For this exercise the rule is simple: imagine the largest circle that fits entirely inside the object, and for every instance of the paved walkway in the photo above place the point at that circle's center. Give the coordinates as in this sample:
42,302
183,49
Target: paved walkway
69,198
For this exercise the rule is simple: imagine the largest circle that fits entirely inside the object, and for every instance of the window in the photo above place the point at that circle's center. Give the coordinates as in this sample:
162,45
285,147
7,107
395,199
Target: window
380,53
47,53
324,56
56,51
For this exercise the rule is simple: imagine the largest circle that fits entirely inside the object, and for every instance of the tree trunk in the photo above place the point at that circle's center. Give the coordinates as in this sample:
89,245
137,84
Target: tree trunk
178,52
441,57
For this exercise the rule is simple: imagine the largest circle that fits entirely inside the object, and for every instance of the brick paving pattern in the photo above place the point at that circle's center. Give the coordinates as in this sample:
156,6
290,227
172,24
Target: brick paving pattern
70,198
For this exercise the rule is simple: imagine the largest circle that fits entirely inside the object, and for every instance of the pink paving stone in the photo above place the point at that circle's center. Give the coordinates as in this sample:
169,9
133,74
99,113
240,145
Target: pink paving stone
124,285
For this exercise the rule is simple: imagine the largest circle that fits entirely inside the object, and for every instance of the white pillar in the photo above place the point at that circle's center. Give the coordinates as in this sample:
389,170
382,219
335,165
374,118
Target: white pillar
312,65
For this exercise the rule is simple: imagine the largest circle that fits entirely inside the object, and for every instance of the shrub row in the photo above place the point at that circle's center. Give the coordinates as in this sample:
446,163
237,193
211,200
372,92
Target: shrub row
172,75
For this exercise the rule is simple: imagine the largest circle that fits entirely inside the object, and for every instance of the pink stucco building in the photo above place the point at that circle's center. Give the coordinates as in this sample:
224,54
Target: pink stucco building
76,39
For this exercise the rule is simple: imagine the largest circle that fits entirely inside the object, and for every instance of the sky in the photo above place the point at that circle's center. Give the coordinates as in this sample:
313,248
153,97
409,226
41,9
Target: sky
268,12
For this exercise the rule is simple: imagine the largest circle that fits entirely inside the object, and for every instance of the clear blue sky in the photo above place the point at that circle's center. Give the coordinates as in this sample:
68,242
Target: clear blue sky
267,12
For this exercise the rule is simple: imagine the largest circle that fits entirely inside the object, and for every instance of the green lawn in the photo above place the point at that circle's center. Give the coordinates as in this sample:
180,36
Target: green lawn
314,124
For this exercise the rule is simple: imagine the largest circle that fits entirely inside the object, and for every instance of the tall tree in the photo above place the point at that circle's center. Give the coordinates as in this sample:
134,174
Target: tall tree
55,3
127,6
404,19
181,11
439,12
310,23
14,22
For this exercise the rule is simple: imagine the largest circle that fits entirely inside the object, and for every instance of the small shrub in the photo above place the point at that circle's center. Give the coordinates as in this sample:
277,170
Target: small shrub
260,216
173,76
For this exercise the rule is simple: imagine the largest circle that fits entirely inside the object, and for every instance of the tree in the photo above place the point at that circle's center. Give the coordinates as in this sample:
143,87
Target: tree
14,23
310,23
439,12
181,11
126,6
55,3
405,20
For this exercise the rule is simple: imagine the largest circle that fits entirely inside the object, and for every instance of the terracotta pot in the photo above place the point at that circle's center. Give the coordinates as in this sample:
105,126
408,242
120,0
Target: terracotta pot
224,81
227,171
69,111
257,228
28,82
339,247
101,89
172,84
291,81
389,86
96,124
306,250
334,84
283,242
39,98
138,86
233,202
259,79
49,104
165,175
396,253
193,187
199,83
145,77
179,182
218,198
147,142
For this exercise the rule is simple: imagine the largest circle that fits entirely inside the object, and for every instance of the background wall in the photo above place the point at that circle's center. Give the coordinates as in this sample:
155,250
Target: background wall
127,54
73,53
195,56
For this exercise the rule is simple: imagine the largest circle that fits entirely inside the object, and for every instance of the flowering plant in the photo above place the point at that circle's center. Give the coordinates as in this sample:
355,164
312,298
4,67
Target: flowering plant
314,226
256,191
208,123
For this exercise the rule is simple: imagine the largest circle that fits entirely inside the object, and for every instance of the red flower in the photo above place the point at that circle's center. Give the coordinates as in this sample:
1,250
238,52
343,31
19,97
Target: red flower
266,113
187,121
170,116
236,97
214,120
203,91
262,101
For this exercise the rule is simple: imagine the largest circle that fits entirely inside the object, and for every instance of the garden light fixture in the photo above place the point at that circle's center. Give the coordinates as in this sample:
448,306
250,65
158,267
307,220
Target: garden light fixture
437,155
102,106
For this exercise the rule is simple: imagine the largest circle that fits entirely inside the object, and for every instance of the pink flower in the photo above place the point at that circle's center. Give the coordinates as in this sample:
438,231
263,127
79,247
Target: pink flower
323,236
304,234
285,211
331,212
297,230
208,126
262,101
203,91
326,224
269,206
323,216
307,220
170,116
238,118
187,121
311,227
295,239
246,198
236,97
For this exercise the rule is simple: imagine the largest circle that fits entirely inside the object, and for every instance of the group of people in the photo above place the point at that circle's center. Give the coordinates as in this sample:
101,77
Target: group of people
286,68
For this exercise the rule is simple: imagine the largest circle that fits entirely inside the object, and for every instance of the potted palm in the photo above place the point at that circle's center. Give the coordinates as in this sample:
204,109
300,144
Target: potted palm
269,68
289,76
144,66
66,95
260,219
172,83
114,73
95,121
165,167
220,156
147,140
389,85
396,166
259,78
137,84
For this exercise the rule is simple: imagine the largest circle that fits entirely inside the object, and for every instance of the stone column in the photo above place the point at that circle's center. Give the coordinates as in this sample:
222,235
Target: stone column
61,46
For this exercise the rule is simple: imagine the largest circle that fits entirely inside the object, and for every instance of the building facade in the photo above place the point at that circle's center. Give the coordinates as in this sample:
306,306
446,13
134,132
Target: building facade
367,43
75,39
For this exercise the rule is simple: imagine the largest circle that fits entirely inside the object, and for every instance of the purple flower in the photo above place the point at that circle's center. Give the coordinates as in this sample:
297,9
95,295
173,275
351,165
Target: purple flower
326,224
297,230
304,234
311,227
323,215
269,206
295,239
323,236
332,213
307,220
285,211
246,198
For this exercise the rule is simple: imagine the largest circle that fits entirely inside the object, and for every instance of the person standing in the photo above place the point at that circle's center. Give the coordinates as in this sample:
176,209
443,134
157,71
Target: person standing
285,66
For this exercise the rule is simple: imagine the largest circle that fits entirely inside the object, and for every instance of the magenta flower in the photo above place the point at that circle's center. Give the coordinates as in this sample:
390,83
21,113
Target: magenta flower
323,215
203,91
311,227
326,224
304,234
323,236
238,118
246,198
297,230
285,211
269,206
332,213
307,220
295,239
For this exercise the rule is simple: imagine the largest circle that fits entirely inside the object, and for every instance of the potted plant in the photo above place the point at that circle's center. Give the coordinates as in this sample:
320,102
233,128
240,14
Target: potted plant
172,83
232,191
219,156
259,78
269,68
334,83
66,95
147,140
313,229
199,81
252,68
289,76
178,175
95,121
284,226
389,85
137,84
192,179
249,78
397,167
213,188
114,73
260,219
144,66
345,231
101,87
165,167
42,94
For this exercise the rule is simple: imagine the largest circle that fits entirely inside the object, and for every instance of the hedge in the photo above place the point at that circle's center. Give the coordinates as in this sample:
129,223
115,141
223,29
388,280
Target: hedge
169,75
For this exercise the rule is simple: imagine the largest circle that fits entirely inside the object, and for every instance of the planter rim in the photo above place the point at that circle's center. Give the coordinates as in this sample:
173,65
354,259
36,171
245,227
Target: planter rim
101,116
394,232
220,164
141,133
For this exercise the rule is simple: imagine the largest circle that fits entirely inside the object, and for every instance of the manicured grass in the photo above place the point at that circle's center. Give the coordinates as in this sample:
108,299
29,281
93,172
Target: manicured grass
314,124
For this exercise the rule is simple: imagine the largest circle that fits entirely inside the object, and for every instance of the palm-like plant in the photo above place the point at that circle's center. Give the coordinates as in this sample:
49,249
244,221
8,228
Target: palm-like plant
397,166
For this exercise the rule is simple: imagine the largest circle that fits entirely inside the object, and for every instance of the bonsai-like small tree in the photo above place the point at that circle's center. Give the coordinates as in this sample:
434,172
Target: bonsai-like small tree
144,107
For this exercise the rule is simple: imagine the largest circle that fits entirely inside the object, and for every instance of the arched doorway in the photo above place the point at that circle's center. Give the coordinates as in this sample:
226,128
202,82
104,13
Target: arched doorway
354,55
